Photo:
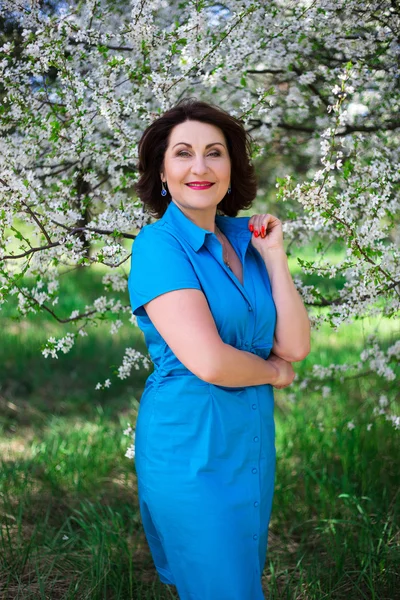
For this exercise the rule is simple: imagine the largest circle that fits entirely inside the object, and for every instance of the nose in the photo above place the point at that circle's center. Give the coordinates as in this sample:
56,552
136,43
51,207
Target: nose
199,166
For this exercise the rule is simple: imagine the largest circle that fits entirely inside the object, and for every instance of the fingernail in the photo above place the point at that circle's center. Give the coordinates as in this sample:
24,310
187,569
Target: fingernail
256,233
262,230
251,228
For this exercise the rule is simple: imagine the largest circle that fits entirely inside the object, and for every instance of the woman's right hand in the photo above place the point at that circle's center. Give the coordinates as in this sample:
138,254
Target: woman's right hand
284,369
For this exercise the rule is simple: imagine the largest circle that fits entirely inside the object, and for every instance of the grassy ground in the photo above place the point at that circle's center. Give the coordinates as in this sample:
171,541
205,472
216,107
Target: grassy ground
71,527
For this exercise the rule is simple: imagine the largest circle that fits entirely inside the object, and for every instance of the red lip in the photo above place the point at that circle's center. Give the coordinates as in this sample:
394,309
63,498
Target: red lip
200,183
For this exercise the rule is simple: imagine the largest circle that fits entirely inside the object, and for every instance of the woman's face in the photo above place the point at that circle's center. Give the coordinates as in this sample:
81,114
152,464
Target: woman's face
197,154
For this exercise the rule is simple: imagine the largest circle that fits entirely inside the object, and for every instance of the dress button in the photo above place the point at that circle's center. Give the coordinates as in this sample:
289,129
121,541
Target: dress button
255,537
254,406
255,439
249,307
254,471
256,503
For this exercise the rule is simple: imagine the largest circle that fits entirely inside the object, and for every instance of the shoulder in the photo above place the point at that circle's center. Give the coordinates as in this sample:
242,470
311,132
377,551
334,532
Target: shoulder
156,234
158,246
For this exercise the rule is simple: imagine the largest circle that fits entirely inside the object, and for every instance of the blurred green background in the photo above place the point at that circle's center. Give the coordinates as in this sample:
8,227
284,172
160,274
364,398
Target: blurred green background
70,520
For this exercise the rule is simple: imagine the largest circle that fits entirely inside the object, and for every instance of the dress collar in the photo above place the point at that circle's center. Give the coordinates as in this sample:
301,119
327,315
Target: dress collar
195,235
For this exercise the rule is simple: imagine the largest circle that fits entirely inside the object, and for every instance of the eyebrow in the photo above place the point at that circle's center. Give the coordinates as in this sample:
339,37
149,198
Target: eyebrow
190,145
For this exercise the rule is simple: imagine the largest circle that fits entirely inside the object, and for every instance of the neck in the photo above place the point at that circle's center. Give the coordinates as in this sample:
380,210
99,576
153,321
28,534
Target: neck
202,217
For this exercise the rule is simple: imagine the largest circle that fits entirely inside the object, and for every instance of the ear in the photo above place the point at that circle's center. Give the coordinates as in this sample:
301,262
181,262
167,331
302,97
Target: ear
162,170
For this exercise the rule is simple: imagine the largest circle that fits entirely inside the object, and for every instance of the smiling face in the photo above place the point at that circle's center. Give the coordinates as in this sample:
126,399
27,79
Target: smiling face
197,165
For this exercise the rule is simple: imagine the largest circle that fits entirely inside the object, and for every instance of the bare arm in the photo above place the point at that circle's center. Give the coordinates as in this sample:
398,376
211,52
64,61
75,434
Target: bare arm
240,368
184,320
292,331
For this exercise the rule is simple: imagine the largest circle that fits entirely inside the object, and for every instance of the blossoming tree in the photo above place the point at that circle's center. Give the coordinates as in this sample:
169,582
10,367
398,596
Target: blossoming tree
315,82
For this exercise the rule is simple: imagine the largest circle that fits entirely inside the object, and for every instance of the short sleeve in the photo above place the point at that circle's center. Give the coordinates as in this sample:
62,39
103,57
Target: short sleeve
159,264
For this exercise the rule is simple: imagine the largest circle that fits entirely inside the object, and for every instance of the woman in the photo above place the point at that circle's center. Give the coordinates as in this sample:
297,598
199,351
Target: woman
223,322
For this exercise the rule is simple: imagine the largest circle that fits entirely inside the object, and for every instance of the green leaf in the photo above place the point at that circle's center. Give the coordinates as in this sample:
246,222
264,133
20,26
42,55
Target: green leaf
348,168
55,131
103,50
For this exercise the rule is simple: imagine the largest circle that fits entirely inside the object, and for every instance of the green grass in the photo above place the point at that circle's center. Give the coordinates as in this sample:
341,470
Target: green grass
70,523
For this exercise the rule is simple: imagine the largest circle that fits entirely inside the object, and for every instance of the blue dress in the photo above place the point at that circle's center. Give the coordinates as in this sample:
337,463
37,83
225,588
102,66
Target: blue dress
204,453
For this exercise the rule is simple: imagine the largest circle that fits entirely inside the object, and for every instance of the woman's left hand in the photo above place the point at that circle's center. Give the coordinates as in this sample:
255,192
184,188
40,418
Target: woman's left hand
267,232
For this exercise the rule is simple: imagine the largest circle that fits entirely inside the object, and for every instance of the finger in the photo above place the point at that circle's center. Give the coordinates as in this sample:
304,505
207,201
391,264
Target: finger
264,225
259,225
256,227
263,228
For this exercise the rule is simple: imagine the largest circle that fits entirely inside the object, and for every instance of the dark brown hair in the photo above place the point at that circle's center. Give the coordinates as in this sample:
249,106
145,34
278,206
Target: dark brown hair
154,142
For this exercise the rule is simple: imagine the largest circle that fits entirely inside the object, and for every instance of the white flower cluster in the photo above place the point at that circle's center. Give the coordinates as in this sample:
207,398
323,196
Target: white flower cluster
130,452
132,359
115,282
129,431
383,408
377,360
373,358
115,326
69,145
102,386
53,346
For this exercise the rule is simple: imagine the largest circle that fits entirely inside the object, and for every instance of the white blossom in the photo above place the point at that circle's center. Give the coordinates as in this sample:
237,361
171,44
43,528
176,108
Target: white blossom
69,150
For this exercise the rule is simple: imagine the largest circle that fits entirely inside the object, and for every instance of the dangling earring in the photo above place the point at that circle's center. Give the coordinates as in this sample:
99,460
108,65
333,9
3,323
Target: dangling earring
163,190
229,190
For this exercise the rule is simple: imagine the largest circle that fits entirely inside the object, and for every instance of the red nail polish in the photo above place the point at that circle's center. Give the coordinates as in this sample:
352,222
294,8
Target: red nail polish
262,230
251,228
256,233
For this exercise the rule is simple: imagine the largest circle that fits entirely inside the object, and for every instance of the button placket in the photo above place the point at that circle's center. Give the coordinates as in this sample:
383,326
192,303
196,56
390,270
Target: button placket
255,467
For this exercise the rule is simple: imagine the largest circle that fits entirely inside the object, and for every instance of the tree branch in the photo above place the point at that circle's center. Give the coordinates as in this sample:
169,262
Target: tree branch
127,236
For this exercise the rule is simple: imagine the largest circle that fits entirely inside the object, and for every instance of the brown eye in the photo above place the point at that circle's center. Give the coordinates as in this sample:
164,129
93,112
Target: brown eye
183,152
